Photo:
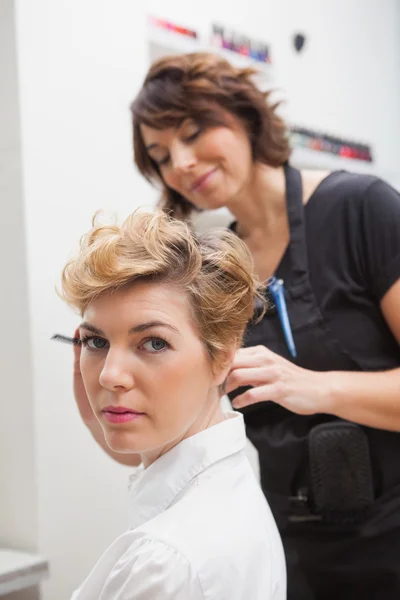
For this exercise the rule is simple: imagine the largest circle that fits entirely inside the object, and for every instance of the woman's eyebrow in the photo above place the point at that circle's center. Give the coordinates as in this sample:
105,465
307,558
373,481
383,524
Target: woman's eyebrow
151,324
136,329
92,328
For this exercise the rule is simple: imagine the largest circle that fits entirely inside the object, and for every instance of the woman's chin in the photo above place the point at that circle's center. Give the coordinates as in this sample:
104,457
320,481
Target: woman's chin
123,442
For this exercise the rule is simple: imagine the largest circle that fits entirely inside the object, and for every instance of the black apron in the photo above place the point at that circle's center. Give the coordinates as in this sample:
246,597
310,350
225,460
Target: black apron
325,560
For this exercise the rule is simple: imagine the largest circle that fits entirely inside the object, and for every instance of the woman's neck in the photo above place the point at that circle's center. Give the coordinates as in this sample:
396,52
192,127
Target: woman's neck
211,415
261,214
261,203
260,207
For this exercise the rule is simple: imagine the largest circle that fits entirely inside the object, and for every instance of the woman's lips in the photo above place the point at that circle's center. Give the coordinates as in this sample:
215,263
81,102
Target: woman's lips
120,414
202,181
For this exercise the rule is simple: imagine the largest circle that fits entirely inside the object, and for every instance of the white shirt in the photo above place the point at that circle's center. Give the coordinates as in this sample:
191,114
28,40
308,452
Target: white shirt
201,529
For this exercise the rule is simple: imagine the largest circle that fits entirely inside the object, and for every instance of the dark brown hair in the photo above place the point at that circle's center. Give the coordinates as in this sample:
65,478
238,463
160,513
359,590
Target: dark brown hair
201,86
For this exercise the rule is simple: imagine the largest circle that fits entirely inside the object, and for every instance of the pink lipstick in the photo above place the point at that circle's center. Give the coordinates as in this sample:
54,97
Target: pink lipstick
120,414
202,181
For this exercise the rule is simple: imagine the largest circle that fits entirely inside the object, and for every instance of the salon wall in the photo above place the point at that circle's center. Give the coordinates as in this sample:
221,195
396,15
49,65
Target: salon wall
17,458
79,64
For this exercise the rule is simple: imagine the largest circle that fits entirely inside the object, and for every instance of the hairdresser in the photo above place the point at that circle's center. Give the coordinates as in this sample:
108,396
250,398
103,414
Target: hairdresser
318,380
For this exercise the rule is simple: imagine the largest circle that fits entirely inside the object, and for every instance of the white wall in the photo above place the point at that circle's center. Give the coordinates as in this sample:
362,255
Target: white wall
18,508
80,63
348,78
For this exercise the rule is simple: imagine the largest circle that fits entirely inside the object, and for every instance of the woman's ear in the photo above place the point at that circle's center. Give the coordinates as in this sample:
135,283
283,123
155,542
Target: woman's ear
225,361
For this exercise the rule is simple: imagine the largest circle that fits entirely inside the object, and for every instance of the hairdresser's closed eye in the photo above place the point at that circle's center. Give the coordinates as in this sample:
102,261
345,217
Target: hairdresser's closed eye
192,136
161,159
187,139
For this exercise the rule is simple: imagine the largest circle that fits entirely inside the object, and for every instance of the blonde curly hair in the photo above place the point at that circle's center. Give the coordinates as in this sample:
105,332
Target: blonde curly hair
214,270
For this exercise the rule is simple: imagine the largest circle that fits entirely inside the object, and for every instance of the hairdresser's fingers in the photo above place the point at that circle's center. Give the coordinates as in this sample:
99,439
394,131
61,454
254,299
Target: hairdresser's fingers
80,394
262,393
77,355
256,356
298,390
252,376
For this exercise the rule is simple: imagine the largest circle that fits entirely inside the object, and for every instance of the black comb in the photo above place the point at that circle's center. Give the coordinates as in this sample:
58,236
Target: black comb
67,340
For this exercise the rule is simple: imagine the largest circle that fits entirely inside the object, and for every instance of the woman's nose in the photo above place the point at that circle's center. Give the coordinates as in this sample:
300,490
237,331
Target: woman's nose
117,373
183,160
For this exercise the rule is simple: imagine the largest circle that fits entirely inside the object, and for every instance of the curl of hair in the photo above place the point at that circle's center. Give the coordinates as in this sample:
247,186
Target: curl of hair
214,270
201,86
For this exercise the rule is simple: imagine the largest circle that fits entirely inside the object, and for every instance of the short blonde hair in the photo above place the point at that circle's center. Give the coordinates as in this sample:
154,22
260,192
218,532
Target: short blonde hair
215,270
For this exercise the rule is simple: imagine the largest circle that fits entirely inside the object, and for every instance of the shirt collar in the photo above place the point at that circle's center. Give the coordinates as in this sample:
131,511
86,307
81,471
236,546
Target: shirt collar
153,489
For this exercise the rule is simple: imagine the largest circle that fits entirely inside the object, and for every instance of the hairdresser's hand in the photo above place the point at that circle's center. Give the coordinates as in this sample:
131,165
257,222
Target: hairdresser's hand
276,379
80,394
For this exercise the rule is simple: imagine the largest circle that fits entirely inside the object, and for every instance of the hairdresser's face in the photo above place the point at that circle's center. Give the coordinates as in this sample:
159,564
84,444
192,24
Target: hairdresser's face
210,167
146,372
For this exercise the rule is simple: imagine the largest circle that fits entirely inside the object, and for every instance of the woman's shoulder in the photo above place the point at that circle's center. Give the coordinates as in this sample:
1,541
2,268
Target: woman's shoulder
346,185
216,498
165,566
219,548
151,567
344,195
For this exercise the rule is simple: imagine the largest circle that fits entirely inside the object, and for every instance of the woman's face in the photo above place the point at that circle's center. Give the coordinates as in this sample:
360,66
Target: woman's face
148,376
209,167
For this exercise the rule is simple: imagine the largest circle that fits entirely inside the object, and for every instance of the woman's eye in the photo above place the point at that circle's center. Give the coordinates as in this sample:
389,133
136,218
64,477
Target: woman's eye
95,343
193,136
163,161
155,345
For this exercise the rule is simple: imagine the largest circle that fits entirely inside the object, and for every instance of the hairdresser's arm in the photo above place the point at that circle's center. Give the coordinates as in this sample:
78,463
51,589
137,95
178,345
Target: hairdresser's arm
85,410
371,399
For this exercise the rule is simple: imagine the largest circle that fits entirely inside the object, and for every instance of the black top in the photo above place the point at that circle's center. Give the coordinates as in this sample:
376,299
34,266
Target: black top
352,224
343,255
353,244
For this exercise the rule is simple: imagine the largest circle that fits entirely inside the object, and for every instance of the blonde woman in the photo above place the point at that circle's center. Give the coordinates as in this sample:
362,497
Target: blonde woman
163,313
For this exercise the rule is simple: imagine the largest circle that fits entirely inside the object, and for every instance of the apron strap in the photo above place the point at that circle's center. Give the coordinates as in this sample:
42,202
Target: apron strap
296,256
